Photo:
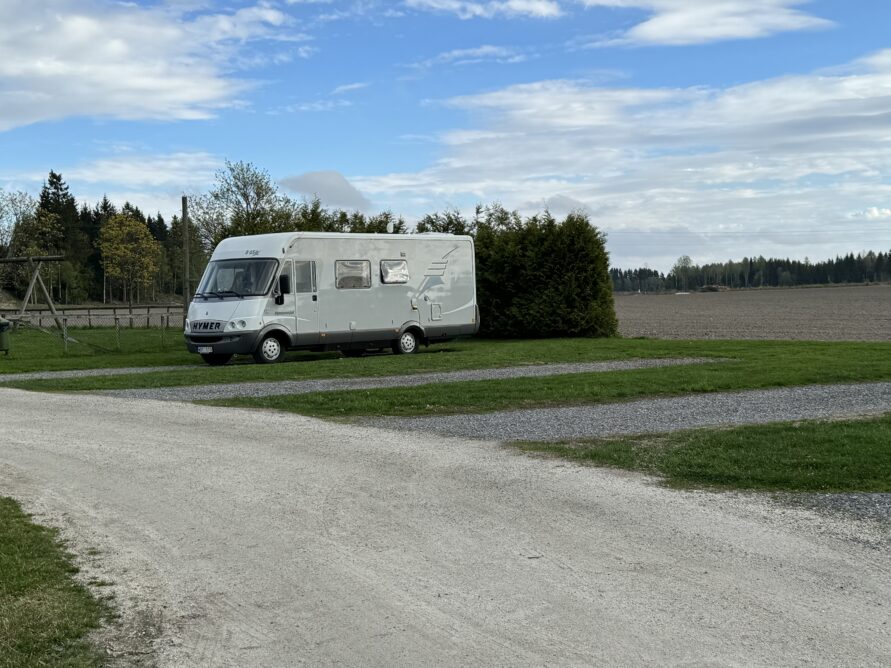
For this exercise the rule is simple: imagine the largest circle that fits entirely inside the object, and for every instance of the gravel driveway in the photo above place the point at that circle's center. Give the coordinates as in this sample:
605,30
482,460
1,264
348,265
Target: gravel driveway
659,415
240,538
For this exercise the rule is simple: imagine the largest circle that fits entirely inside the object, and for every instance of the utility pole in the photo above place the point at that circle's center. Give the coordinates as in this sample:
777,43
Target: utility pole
186,289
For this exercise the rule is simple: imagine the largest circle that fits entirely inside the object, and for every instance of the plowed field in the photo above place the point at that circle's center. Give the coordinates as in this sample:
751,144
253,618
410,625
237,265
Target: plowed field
855,313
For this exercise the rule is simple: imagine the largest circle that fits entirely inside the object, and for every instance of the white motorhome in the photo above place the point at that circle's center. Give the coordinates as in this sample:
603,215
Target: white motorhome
264,294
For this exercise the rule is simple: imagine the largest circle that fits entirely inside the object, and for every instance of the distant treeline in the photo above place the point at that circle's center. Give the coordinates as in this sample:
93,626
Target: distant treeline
757,272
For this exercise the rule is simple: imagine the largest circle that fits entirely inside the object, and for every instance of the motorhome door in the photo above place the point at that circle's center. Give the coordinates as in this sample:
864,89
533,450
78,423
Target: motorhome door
307,297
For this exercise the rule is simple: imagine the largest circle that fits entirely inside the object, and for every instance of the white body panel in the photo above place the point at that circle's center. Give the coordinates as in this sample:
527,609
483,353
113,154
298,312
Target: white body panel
438,299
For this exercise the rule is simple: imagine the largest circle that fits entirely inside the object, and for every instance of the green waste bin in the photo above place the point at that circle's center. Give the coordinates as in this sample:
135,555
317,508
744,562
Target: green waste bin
4,334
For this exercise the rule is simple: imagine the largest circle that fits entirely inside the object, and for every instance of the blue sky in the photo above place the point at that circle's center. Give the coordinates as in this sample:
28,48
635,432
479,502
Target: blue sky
713,128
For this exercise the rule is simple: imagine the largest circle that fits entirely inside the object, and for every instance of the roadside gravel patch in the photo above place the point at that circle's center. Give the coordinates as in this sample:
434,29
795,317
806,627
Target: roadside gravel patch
658,415
269,389
83,373
871,506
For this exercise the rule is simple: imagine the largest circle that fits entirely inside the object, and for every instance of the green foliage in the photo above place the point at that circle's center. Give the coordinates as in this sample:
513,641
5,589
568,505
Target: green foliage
38,234
536,278
15,207
541,278
129,252
44,614
245,200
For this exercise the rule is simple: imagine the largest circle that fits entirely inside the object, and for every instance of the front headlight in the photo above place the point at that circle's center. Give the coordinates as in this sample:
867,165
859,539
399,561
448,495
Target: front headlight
188,327
236,324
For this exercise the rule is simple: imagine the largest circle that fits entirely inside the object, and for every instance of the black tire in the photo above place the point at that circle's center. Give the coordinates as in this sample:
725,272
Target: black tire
216,359
269,351
406,344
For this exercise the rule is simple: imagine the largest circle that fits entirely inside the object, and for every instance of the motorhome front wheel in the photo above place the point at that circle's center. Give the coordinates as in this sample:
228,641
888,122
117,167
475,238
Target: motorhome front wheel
269,351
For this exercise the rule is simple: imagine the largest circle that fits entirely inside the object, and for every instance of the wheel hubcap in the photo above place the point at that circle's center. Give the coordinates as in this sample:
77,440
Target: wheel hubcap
408,342
271,349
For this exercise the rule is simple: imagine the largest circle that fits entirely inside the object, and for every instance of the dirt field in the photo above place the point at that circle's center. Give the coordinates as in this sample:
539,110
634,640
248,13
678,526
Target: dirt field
857,313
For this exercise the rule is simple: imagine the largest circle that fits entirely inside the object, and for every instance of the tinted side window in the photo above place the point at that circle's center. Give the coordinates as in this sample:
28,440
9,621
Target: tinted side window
349,274
304,276
394,271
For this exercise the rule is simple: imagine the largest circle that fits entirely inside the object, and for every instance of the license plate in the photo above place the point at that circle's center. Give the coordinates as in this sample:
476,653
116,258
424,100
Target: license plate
204,350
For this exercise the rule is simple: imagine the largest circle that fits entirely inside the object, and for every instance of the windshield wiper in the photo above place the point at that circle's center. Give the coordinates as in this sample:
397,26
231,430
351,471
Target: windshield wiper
228,292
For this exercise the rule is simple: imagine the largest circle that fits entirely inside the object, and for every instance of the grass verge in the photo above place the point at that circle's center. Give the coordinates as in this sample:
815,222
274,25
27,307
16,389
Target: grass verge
44,614
753,365
97,348
809,456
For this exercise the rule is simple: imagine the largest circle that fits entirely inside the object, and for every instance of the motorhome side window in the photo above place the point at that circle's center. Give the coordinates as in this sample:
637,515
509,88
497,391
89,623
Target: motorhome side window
350,274
304,276
394,271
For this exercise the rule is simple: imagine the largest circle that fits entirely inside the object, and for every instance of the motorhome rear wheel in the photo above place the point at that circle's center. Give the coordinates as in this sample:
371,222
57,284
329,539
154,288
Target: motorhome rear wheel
406,344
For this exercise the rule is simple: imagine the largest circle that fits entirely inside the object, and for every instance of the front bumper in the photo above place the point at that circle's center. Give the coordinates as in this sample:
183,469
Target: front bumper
223,344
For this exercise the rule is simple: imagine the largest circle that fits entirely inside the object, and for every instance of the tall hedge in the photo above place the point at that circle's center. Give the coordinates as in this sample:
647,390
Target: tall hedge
538,277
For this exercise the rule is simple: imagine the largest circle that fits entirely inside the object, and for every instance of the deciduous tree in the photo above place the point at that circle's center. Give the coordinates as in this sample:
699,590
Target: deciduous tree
129,253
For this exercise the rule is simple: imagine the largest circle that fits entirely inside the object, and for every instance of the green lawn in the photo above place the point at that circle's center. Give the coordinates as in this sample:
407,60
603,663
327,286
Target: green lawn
96,348
810,456
44,614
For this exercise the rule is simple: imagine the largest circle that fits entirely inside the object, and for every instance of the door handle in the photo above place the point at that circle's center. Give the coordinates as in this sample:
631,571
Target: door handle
315,298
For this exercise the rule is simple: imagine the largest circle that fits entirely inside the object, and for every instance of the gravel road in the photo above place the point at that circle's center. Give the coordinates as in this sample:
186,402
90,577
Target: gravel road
241,538
268,389
659,415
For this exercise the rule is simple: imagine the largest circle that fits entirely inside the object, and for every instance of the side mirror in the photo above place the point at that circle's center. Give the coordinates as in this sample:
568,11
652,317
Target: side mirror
282,288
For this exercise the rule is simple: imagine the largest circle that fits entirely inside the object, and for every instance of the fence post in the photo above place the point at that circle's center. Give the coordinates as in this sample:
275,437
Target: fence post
89,319
117,331
65,332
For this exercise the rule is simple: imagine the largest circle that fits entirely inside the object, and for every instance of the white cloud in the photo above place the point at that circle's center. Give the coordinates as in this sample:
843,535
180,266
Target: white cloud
330,187
181,171
557,205
487,52
773,166
61,58
314,106
349,88
679,22
873,213
673,22
153,182
467,9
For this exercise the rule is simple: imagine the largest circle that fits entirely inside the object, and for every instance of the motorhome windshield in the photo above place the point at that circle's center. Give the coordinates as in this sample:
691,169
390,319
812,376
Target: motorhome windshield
237,278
